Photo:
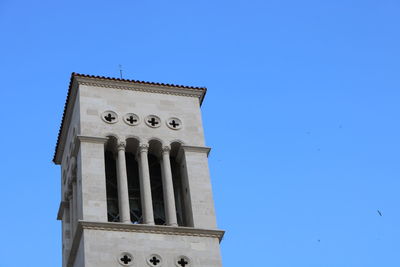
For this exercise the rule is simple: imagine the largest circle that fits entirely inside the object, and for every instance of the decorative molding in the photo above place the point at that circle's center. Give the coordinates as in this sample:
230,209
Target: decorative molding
121,145
174,123
152,257
196,149
92,139
153,121
148,88
109,117
131,119
143,148
166,149
185,258
137,228
152,229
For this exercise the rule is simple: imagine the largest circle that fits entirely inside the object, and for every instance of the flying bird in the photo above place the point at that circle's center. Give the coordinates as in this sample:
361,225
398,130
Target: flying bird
379,212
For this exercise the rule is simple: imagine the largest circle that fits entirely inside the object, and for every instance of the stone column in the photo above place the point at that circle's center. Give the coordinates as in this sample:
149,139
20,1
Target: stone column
145,186
122,182
168,188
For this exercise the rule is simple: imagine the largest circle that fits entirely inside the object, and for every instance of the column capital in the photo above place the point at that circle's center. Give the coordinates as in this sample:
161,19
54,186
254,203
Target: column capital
121,145
166,149
143,147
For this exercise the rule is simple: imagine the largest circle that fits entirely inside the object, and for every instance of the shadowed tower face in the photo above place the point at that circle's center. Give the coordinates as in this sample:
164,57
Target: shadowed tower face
135,185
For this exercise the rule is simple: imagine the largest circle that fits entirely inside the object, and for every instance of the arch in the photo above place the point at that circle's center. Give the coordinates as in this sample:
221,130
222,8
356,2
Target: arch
175,147
132,170
181,187
155,147
111,178
111,135
132,136
177,141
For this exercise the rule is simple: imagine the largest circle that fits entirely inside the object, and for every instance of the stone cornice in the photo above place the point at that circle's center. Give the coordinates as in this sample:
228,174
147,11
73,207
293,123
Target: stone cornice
143,87
196,149
152,229
199,149
137,228
92,139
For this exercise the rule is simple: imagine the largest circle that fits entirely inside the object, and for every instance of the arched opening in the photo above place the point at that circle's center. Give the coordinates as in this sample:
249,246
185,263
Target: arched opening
111,179
156,182
132,169
182,198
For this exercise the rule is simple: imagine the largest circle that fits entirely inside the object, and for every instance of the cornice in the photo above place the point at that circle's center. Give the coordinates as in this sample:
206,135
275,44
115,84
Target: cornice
92,139
137,228
152,229
149,88
196,149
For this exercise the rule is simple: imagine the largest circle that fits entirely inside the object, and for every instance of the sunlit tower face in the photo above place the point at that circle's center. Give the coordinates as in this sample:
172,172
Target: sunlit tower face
136,189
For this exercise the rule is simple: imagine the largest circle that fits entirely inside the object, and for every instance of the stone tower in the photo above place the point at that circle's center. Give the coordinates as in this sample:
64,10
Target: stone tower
135,185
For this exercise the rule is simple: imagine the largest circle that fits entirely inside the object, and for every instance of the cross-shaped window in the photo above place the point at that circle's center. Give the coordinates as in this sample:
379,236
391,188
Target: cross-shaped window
131,119
109,117
174,124
154,260
153,122
126,259
182,262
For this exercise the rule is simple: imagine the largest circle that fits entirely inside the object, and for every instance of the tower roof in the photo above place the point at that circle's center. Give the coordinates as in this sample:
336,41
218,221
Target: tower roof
77,78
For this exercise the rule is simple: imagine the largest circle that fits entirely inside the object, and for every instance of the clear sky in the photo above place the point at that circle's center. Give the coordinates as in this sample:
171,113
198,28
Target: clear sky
302,114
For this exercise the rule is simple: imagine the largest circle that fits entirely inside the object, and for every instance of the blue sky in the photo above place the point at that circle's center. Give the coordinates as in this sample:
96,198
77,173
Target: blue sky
302,114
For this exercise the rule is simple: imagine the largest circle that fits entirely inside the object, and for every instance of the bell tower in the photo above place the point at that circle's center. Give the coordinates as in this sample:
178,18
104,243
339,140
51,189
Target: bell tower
135,185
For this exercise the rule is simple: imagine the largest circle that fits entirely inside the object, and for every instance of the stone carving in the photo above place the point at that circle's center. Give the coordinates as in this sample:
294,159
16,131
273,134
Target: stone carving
109,116
174,123
166,149
182,261
153,121
131,119
143,147
121,145
125,259
154,260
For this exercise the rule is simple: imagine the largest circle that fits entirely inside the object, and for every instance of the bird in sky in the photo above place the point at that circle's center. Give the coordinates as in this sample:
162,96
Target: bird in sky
379,212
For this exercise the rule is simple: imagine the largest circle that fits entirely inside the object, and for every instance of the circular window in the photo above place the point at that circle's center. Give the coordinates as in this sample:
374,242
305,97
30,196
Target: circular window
154,260
109,116
131,119
174,123
153,121
182,261
125,259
